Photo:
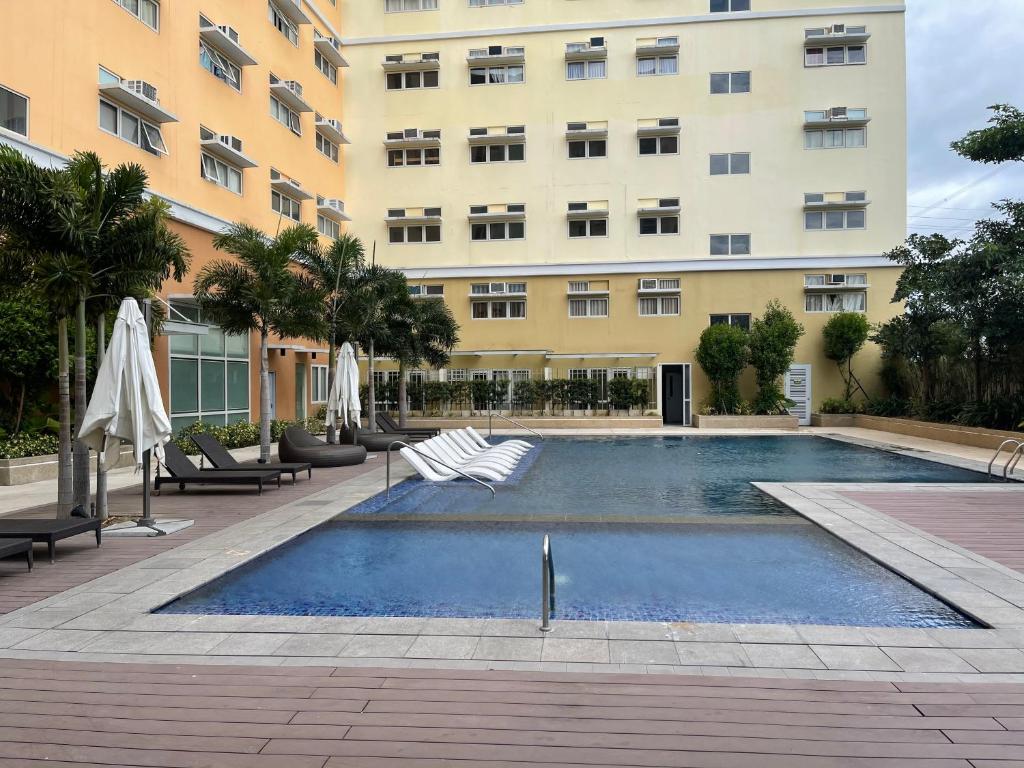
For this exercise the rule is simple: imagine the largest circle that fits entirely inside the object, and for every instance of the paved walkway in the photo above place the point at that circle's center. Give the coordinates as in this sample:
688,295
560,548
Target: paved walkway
146,715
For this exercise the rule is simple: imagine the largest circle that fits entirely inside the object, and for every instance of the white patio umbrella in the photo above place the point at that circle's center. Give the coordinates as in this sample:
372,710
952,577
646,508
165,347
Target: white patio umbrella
343,399
126,406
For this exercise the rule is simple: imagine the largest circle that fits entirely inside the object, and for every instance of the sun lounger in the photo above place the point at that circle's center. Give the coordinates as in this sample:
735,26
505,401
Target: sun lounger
183,472
438,449
479,440
11,547
48,530
298,445
222,459
437,473
372,441
503,460
466,443
390,426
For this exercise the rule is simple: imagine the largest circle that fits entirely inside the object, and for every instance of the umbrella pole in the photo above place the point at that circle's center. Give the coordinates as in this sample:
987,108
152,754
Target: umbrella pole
147,520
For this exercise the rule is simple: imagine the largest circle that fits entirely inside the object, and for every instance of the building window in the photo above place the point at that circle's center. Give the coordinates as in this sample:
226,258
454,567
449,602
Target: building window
282,23
328,227
659,225
414,233
586,70
588,228
730,245
404,81
658,145
499,310
209,375
658,306
326,147
146,11
285,205
398,6
513,73
318,383
821,281
729,6
220,173
588,307
131,128
497,153
851,301
285,116
835,138
647,66
730,82
736,320
587,149
815,220
732,163
400,158
217,64
326,68
483,289
13,111
498,230
835,55
488,3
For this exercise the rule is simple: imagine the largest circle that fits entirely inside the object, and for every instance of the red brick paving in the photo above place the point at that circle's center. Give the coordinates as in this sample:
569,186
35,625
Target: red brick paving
79,561
988,523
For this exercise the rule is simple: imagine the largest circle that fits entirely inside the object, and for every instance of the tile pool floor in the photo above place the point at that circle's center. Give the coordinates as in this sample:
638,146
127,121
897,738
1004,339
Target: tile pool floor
109,618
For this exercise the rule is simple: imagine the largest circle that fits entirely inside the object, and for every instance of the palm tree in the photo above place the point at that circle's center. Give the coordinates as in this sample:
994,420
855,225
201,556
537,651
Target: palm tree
259,291
429,337
334,269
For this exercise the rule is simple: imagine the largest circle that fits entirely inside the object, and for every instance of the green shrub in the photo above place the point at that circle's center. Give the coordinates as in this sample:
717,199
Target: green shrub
889,406
722,354
621,394
838,405
437,394
524,394
241,434
24,444
642,392
845,334
772,342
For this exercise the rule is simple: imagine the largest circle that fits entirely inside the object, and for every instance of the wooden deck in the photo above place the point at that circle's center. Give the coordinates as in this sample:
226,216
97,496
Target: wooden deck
79,561
990,524
162,715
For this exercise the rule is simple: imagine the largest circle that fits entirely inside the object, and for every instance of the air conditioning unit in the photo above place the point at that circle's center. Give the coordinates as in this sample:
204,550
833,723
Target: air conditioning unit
335,124
394,58
294,86
648,284
335,204
411,133
229,32
576,127
837,279
837,113
668,202
496,288
597,42
494,50
434,290
233,142
295,184
430,57
140,88
436,134
838,29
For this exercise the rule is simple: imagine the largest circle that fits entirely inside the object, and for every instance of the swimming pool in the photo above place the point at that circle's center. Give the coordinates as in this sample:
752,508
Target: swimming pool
643,529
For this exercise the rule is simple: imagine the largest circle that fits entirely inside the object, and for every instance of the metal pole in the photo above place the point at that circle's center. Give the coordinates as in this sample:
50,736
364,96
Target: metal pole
101,473
147,520
547,585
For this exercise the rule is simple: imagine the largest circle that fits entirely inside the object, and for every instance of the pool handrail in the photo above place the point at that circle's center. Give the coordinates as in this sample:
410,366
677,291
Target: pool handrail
547,580
387,472
490,424
1017,444
1011,466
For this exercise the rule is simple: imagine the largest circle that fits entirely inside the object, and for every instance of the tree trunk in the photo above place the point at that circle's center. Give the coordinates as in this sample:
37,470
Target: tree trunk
403,404
80,449
101,473
371,401
332,431
264,399
21,408
978,376
65,481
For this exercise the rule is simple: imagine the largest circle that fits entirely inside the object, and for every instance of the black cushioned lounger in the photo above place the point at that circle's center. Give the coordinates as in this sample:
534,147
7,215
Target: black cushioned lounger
48,530
183,472
390,426
10,547
222,459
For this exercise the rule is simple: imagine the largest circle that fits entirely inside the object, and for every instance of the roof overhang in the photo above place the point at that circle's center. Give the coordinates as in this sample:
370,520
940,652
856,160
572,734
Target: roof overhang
140,105
216,37
228,154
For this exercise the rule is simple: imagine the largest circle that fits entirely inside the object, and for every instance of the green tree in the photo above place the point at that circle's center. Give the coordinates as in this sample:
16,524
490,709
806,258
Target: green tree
722,353
845,335
334,269
428,335
260,291
1002,142
772,341
27,351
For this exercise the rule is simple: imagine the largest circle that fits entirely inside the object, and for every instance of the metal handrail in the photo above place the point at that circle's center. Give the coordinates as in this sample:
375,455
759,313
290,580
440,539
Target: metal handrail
1010,467
1017,445
456,470
490,424
547,580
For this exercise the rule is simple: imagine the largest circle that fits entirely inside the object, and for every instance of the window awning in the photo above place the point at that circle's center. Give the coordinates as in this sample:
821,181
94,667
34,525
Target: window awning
501,353
600,355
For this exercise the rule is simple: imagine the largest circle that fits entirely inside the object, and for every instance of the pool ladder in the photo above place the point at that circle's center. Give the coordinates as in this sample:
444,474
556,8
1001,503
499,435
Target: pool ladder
428,458
1015,456
490,424
547,581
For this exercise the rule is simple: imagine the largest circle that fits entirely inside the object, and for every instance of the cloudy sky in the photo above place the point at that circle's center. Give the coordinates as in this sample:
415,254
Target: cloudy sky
962,56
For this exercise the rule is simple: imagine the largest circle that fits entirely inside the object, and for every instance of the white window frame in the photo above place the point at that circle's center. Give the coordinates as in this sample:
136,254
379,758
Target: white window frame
328,227
730,6
661,303
140,4
231,73
658,140
405,234
504,68
404,75
824,220
659,61
731,318
282,23
824,132
732,236
421,5
591,308
318,383
492,3
732,77
729,163
506,227
283,201
326,147
824,55
589,223
829,303
28,109
490,303
210,169
489,159
587,147
145,140
587,74
326,68
413,152
292,121
660,219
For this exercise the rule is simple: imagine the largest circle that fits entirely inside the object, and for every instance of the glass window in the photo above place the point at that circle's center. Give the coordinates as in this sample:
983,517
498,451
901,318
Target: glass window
184,385
835,219
856,219
739,163
719,165
108,117
719,82
211,383
855,54
13,111
648,146
740,82
814,139
129,127
649,226
856,137
646,66
814,220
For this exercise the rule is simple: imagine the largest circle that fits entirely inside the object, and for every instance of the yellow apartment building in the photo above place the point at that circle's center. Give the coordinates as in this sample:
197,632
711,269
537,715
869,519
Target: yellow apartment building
588,185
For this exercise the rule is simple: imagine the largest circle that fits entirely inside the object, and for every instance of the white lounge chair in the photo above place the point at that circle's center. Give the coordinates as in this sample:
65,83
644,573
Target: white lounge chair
437,448
479,440
468,446
443,474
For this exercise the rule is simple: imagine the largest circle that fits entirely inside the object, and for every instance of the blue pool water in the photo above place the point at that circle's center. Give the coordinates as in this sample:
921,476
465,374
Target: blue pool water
645,529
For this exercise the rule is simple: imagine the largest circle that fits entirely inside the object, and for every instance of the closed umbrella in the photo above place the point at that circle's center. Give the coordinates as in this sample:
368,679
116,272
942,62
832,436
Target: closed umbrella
126,406
345,394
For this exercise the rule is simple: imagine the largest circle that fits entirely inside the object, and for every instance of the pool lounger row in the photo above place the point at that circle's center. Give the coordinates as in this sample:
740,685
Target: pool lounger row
467,451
